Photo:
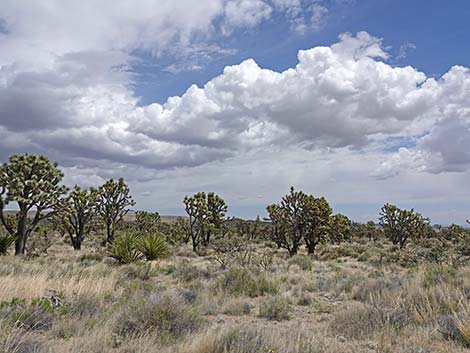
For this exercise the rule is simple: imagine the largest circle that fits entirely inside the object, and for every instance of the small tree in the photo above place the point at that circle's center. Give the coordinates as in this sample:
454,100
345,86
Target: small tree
147,222
113,199
33,182
371,230
206,216
76,215
400,225
340,228
250,230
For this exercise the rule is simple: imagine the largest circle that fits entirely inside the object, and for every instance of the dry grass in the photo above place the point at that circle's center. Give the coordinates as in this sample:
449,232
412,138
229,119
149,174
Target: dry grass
187,304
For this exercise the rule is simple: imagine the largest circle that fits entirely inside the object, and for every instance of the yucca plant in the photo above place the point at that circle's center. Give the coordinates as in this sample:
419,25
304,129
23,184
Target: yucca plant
153,247
124,248
6,241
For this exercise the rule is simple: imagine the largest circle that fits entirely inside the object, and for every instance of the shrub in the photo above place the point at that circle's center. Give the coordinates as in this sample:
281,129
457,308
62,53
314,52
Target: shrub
6,241
237,307
361,320
38,315
124,249
153,247
275,308
164,312
304,262
455,328
241,281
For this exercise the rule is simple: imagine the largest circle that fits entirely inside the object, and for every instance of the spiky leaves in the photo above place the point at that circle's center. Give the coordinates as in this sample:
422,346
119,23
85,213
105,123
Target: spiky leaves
34,183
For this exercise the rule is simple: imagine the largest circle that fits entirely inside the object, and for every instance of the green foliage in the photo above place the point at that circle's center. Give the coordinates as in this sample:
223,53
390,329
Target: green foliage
152,246
147,222
124,248
250,230
206,217
400,225
6,240
32,182
299,216
276,308
339,228
76,215
113,199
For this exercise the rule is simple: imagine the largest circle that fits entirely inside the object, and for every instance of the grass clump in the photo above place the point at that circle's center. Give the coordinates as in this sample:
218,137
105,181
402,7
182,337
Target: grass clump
249,282
165,313
304,262
276,308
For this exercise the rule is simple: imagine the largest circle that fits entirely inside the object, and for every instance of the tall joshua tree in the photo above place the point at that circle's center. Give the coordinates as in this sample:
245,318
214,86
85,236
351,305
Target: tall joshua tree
76,215
206,216
113,199
33,182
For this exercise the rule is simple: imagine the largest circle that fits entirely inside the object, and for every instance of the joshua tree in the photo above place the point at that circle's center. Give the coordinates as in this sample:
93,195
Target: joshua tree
113,199
299,216
76,215
147,222
340,228
33,182
400,225
317,215
206,215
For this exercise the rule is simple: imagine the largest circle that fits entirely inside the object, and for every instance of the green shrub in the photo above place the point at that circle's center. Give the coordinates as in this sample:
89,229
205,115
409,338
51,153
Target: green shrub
6,240
124,248
153,247
275,308
167,313
242,281
304,262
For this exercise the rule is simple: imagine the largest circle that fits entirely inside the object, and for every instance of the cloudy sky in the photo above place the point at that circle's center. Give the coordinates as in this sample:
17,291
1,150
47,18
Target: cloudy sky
361,101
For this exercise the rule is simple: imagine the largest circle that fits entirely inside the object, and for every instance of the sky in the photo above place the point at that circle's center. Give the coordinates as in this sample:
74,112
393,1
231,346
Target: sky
361,101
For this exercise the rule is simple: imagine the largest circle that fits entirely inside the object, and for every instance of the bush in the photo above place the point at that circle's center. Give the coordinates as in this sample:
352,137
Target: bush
455,328
124,249
38,315
304,262
164,312
6,240
275,308
153,247
362,321
241,281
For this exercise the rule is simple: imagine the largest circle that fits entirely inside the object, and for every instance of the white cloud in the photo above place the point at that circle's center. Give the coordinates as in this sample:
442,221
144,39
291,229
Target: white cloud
321,124
245,13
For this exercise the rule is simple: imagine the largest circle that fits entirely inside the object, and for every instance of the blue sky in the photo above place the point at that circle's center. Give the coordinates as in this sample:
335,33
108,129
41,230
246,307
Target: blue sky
361,101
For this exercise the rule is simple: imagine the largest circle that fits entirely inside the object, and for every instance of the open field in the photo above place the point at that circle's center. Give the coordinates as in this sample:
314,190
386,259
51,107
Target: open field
359,296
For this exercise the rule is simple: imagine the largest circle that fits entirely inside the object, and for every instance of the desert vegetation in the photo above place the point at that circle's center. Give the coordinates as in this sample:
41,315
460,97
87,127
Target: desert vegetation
80,272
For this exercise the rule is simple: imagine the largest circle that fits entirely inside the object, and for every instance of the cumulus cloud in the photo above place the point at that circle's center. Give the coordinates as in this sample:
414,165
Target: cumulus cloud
342,96
68,93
